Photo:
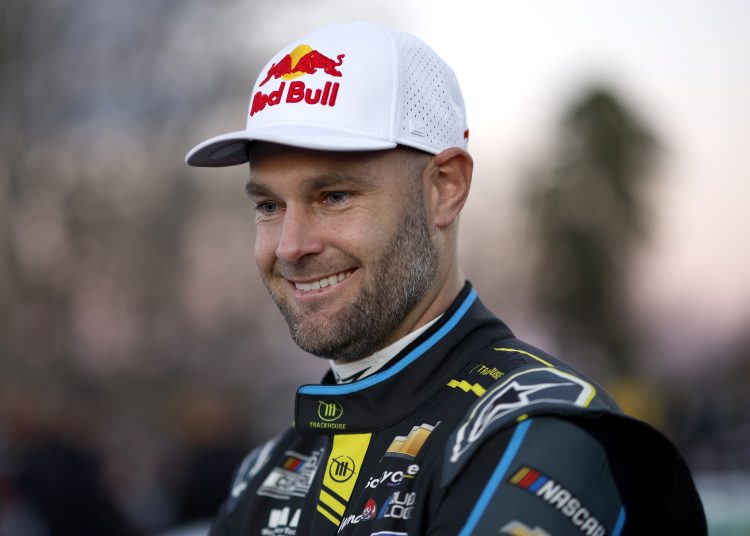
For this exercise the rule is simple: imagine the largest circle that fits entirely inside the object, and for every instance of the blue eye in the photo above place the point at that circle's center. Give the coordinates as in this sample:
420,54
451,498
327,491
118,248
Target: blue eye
266,207
337,197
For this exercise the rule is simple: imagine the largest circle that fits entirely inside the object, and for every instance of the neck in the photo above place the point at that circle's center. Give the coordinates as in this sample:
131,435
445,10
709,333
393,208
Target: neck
356,370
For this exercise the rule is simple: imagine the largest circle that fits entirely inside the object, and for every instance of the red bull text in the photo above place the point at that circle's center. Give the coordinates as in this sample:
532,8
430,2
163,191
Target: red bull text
297,92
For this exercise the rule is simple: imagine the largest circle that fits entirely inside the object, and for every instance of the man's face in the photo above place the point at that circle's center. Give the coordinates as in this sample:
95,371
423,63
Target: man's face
342,244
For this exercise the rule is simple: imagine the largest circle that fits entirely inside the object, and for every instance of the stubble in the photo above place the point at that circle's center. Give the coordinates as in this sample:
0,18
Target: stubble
399,281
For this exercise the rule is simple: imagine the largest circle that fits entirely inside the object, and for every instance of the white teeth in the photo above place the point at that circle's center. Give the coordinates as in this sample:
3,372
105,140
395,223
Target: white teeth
324,282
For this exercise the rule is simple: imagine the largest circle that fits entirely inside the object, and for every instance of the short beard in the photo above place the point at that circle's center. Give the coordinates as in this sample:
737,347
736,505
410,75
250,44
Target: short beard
401,279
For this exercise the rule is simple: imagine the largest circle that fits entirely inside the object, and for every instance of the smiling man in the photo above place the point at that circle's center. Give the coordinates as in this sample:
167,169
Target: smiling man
435,418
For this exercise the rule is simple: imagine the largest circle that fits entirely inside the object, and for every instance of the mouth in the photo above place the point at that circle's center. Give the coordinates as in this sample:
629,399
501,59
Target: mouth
327,281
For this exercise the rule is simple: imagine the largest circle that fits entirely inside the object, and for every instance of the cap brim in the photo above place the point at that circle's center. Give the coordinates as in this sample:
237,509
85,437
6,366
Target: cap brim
231,149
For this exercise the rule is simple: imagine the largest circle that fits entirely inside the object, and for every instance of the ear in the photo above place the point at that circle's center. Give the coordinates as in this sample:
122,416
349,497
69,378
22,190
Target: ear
449,181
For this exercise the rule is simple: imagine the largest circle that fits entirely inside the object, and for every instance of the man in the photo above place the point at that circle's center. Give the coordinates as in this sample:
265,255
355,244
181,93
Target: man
434,419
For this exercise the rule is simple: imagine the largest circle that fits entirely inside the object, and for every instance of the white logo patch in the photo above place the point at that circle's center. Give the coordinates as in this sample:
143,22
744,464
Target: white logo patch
294,478
280,524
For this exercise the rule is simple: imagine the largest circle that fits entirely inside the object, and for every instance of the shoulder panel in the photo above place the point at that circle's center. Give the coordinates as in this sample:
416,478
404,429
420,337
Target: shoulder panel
527,391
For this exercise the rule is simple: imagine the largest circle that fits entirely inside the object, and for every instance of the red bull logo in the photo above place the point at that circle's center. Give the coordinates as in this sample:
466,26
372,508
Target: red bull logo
301,61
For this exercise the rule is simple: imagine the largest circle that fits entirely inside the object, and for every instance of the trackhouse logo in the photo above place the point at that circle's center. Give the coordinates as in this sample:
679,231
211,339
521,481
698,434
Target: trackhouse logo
341,468
329,411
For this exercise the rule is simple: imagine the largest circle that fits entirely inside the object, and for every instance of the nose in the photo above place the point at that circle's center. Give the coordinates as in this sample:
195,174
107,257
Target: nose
299,236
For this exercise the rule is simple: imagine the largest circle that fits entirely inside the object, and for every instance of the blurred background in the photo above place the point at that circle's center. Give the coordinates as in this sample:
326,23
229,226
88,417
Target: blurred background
139,354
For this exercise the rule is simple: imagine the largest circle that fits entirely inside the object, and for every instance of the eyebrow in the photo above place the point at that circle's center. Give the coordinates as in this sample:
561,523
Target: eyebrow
256,189
318,182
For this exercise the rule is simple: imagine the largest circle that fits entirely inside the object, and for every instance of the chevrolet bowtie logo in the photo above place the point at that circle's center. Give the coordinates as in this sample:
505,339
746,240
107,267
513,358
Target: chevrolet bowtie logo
516,528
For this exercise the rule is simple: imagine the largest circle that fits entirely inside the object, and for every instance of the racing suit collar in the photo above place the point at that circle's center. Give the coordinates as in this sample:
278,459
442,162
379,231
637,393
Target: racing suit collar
383,399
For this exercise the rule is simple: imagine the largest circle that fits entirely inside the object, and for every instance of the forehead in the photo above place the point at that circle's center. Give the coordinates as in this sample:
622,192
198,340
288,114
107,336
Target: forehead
271,163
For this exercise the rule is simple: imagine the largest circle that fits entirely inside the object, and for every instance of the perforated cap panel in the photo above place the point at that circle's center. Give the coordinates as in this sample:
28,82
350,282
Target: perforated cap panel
431,114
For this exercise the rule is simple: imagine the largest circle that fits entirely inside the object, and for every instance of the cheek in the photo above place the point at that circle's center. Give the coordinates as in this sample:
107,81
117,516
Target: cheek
265,249
364,240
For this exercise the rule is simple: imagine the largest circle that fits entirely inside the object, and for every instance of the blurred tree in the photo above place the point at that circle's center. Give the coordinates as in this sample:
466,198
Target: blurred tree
95,204
587,217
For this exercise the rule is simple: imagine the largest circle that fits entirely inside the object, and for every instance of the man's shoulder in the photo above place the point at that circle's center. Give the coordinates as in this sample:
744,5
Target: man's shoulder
515,381
511,377
607,471
540,420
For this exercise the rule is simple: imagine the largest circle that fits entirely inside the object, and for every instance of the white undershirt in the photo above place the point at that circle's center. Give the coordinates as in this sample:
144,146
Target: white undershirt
356,370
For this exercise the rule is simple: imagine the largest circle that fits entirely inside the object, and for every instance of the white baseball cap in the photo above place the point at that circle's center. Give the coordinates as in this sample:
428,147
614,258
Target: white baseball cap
348,87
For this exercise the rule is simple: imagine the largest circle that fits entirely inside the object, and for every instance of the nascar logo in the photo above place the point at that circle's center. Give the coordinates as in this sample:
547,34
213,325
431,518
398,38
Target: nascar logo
557,496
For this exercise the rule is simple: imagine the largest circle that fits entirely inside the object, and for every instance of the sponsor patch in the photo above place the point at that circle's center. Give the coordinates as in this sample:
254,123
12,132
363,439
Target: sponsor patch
516,528
280,523
556,495
393,478
293,478
370,508
367,514
398,506
484,370
410,445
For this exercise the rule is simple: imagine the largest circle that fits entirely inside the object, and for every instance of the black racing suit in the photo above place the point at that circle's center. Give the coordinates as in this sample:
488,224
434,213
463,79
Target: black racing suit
467,431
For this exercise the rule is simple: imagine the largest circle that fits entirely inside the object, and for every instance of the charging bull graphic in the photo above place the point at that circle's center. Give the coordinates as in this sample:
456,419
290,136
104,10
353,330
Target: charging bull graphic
303,60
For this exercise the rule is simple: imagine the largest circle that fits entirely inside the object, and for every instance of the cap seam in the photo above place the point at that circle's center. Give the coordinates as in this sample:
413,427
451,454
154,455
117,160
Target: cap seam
396,85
